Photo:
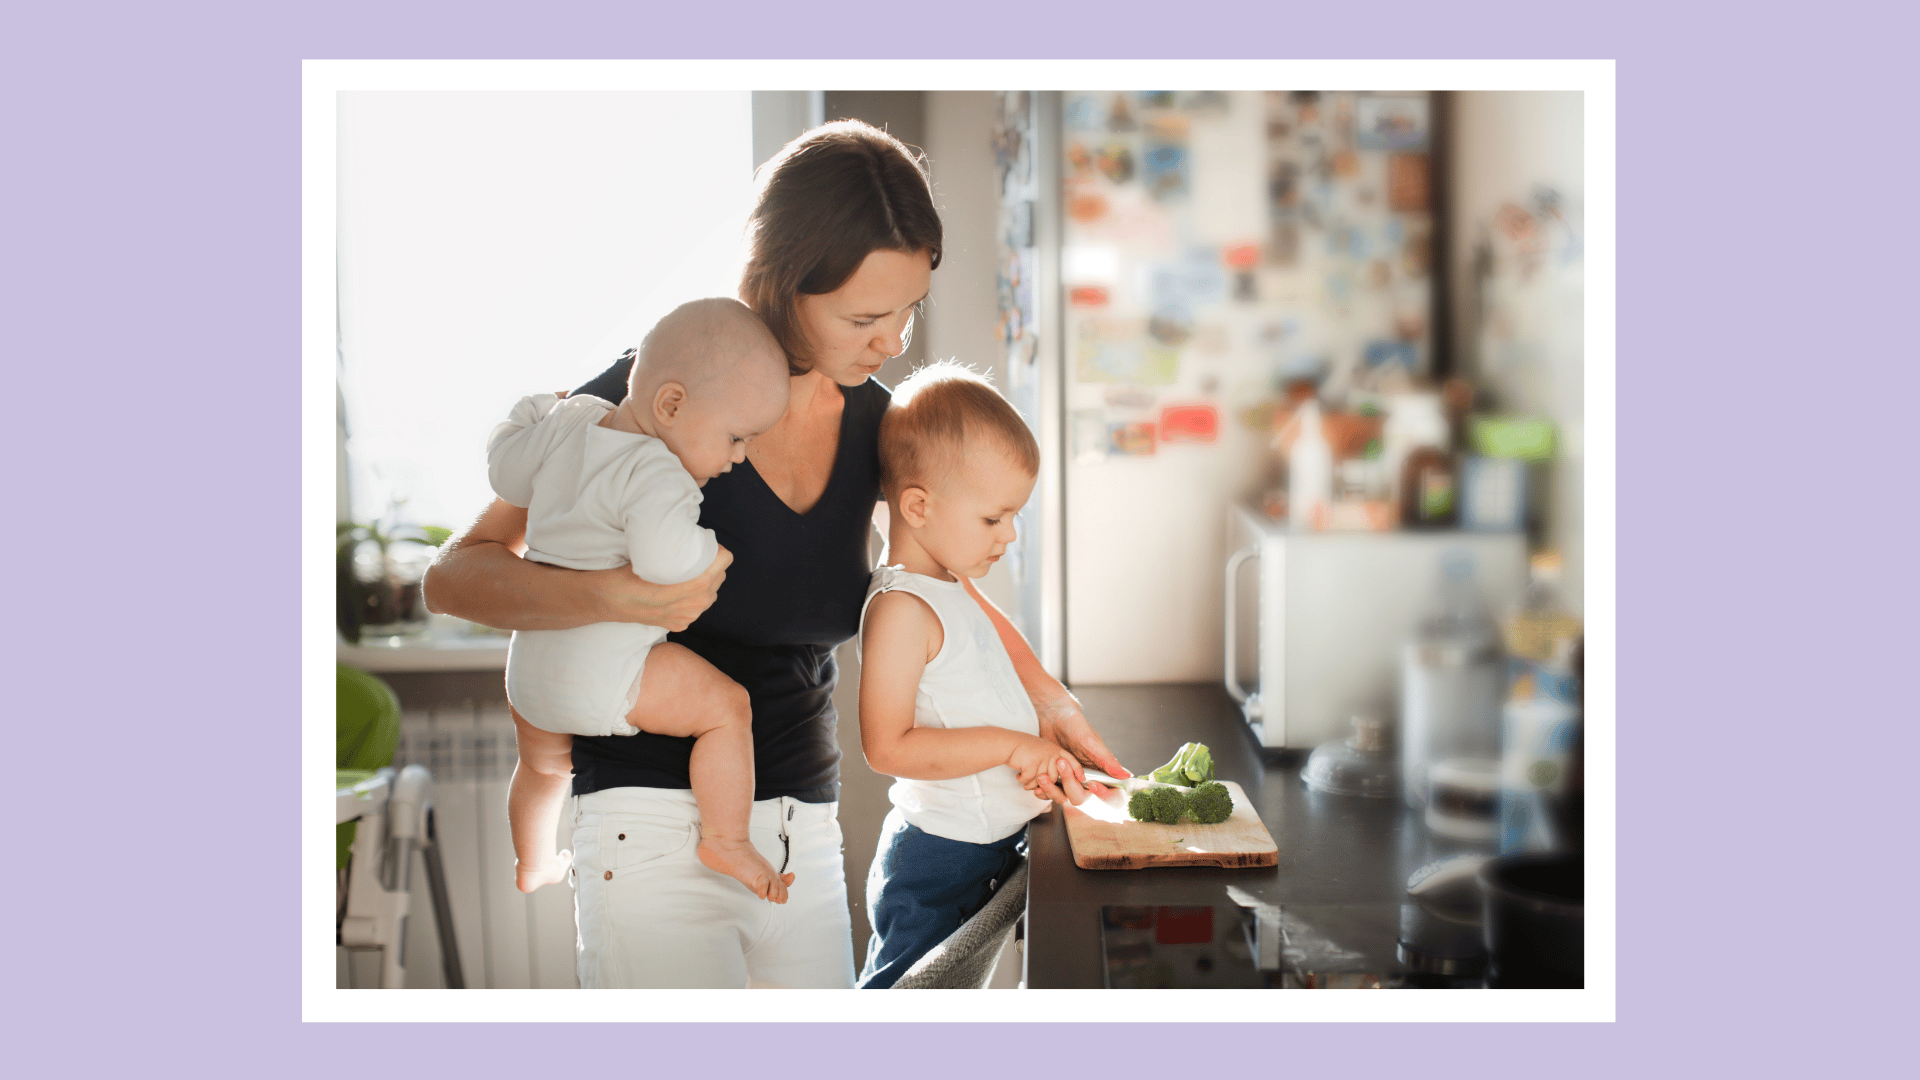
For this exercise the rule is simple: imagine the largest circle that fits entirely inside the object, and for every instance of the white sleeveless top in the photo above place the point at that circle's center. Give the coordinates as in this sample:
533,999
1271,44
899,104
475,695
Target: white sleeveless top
969,683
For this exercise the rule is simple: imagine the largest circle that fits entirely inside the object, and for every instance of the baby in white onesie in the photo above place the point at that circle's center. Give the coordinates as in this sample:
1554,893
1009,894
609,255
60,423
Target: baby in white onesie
608,485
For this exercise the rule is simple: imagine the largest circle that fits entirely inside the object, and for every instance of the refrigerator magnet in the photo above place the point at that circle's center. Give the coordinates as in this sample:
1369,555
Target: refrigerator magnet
1385,122
1113,359
1165,170
1088,296
1168,128
1079,159
1116,162
1170,326
1083,113
1131,440
1087,209
1189,423
1204,101
1407,183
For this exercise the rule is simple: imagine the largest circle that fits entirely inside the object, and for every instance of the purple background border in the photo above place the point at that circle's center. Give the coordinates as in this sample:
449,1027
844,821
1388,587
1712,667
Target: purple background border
152,244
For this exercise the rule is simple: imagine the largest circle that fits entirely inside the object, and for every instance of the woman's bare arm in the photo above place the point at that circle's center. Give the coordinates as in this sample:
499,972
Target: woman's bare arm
1061,720
480,576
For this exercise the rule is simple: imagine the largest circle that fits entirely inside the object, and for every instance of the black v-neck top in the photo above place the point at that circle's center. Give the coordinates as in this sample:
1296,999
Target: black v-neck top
792,594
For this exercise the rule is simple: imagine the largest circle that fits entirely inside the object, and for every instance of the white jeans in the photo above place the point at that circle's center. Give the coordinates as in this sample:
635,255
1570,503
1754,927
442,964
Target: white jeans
650,914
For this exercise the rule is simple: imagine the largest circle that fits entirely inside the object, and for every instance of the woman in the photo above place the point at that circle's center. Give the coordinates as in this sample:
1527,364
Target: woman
844,240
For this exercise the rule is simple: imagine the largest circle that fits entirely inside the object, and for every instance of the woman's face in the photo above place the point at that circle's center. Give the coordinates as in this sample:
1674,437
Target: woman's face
868,320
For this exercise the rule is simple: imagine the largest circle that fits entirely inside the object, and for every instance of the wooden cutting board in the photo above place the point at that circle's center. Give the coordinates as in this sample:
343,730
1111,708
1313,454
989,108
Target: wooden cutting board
1104,837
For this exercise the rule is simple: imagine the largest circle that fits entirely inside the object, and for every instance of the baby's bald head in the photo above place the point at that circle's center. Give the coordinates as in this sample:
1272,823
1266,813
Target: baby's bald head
705,345
708,379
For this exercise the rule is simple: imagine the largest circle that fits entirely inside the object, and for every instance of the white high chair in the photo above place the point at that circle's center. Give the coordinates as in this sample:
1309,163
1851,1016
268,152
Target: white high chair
395,812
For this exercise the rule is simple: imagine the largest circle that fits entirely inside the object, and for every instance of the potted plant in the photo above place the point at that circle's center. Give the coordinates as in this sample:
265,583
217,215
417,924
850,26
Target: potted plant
378,574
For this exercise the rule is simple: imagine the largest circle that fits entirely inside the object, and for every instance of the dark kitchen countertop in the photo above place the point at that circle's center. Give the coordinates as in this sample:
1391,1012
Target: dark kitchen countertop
1344,860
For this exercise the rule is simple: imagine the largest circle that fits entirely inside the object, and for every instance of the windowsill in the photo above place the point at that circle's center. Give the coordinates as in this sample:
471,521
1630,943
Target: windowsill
449,645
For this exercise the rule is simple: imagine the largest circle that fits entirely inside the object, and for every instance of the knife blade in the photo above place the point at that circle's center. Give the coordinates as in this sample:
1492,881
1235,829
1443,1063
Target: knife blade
1124,783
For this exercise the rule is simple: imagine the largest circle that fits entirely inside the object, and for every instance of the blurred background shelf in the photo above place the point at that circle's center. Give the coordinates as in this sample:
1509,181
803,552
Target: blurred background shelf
449,645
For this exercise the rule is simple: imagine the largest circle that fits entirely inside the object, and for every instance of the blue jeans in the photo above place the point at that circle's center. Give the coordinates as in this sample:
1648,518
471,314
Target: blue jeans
921,888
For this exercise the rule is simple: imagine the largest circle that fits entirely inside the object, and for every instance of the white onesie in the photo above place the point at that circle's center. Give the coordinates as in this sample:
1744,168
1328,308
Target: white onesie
596,498
970,682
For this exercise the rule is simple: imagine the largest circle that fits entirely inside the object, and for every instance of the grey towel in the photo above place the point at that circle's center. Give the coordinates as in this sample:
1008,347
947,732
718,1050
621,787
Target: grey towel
966,959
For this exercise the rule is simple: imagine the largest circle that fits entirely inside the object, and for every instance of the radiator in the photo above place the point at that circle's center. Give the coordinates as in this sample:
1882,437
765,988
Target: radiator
507,938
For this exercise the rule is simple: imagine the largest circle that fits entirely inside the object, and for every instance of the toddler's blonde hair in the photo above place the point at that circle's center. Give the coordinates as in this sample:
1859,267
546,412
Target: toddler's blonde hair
938,415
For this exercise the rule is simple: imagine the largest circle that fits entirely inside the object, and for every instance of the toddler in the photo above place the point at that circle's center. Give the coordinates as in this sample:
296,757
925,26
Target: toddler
941,707
606,485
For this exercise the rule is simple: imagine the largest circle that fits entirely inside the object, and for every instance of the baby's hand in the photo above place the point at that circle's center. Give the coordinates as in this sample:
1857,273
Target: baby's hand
1032,758
553,869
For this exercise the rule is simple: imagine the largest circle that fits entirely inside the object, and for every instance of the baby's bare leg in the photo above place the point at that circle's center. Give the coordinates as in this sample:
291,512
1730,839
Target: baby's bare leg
684,696
533,803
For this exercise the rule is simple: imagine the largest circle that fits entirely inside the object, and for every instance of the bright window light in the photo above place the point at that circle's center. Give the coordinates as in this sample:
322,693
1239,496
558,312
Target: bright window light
493,245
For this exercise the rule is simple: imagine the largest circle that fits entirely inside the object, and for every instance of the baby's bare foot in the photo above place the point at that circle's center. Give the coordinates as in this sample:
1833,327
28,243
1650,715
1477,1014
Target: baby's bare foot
529,878
738,860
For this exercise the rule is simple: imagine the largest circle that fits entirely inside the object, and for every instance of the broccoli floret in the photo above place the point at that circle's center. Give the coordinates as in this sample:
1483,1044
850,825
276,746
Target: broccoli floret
1210,803
1168,805
1161,804
1192,764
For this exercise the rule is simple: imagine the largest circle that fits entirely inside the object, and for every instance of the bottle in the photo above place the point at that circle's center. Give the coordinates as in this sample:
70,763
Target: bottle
1427,489
1309,472
1451,683
1413,421
1542,715
1541,632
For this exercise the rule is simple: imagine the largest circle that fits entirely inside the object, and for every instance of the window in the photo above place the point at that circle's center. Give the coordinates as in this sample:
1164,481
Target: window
493,245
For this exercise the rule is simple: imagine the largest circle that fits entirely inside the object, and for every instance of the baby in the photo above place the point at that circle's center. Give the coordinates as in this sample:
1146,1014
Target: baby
941,707
606,486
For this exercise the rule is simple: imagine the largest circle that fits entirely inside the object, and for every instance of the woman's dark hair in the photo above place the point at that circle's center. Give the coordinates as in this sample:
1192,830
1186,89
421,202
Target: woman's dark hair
826,201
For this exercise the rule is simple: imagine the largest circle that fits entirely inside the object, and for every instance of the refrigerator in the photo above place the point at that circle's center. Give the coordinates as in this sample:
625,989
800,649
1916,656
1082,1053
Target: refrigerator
1209,246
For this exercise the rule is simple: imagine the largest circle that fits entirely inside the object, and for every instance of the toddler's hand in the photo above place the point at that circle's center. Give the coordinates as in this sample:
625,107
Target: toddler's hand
1033,758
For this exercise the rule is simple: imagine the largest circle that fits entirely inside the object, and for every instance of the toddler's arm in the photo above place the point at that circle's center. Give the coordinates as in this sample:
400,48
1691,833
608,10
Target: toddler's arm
900,635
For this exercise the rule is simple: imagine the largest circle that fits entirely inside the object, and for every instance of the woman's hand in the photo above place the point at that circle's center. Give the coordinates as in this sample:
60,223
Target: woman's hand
1063,724
481,576
626,597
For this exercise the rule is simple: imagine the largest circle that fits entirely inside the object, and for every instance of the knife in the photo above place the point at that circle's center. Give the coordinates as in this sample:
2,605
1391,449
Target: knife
1128,784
